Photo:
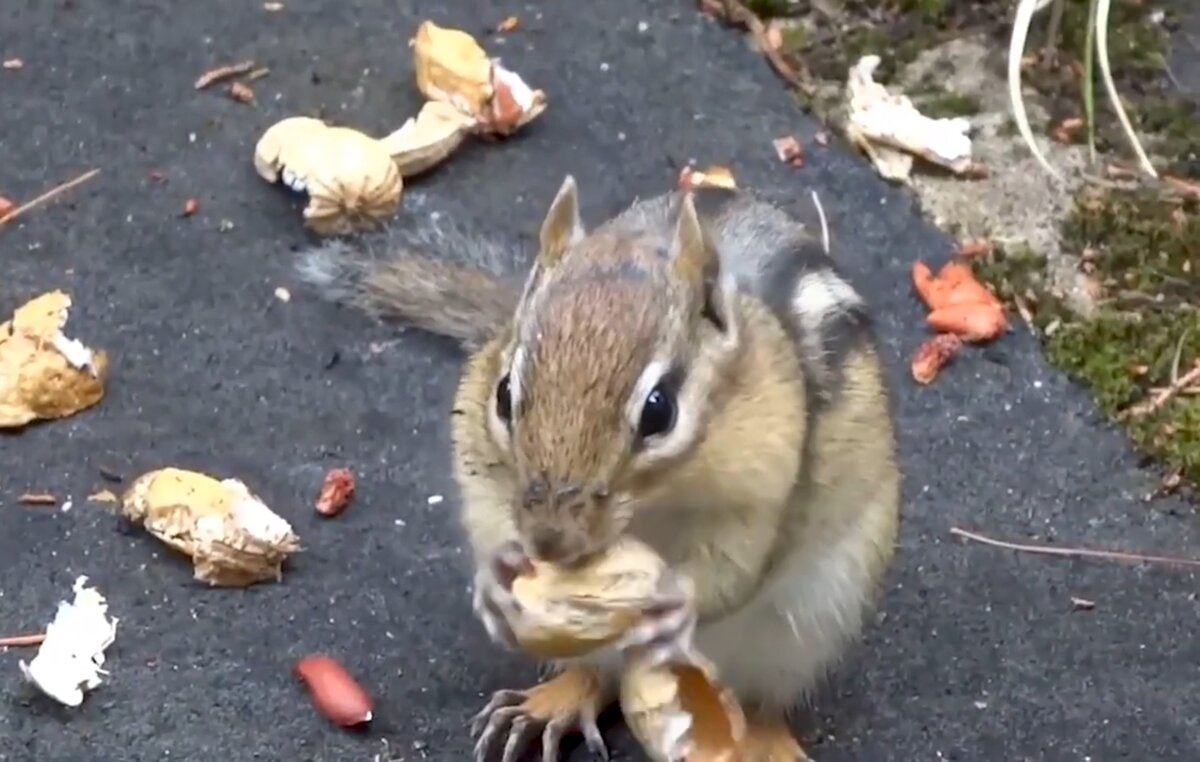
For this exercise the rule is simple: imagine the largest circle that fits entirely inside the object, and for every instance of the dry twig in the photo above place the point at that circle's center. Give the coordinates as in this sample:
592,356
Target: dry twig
1049,550
1179,184
22,640
1189,379
37,498
736,13
47,196
223,72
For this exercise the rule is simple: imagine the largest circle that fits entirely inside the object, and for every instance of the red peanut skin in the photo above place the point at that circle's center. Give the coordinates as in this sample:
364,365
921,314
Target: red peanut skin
334,692
973,322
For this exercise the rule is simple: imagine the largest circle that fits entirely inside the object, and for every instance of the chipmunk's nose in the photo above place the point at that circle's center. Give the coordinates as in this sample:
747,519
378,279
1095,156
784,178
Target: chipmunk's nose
548,544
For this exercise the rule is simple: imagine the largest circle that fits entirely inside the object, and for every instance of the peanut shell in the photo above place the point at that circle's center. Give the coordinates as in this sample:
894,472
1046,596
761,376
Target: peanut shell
453,68
43,374
681,712
570,612
350,178
427,139
234,539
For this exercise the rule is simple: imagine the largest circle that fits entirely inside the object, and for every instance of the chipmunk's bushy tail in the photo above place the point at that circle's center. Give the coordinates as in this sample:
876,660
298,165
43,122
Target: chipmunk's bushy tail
430,276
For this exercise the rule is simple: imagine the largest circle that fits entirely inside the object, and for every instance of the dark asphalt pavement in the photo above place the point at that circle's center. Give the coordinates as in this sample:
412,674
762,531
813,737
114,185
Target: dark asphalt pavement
978,655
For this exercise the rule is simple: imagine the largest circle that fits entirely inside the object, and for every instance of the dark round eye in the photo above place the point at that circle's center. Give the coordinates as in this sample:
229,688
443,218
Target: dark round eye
658,414
504,400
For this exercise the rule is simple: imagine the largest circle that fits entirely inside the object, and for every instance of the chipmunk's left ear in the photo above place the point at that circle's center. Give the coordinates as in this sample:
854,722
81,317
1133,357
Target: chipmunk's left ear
695,261
562,226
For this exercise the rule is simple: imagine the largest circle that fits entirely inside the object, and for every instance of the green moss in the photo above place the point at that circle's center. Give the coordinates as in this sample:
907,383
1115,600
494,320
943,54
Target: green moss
949,105
1136,44
1140,243
1135,245
867,41
930,10
1174,123
793,38
770,8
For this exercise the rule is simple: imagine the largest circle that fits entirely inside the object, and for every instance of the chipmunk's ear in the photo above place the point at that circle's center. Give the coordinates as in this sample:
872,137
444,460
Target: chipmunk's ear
694,258
562,226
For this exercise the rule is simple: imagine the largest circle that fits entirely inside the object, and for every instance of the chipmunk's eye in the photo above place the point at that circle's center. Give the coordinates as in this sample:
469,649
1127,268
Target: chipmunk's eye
504,400
658,413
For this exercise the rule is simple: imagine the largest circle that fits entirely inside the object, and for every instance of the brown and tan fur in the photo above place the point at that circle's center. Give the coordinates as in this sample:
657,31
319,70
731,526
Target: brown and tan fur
779,499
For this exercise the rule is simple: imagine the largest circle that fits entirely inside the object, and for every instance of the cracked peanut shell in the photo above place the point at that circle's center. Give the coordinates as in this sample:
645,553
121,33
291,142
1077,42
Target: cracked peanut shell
570,612
350,179
43,374
427,139
682,712
278,146
233,538
451,67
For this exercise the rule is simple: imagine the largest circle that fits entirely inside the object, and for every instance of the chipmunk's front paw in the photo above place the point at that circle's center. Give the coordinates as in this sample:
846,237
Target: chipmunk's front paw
493,599
668,623
569,702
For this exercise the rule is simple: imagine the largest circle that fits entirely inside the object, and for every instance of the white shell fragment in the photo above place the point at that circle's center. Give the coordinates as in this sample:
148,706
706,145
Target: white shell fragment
70,659
891,131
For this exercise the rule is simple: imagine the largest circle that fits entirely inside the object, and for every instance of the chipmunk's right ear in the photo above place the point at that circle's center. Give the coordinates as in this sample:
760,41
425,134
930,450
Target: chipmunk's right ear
562,226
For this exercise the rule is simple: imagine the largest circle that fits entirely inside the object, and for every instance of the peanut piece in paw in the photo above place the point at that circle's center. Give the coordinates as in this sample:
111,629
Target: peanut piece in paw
569,702
570,612
679,711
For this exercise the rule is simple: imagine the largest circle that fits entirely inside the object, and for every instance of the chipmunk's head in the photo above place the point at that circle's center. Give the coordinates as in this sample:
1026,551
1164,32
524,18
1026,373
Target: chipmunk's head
621,338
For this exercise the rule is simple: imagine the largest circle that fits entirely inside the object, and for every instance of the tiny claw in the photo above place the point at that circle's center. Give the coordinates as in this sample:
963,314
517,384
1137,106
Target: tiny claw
493,600
520,733
592,736
508,563
552,709
499,700
667,625
552,738
496,615
497,722
666,651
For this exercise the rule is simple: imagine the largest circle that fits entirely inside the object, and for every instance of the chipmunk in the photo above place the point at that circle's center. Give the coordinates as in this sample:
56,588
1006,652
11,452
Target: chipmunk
694,373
